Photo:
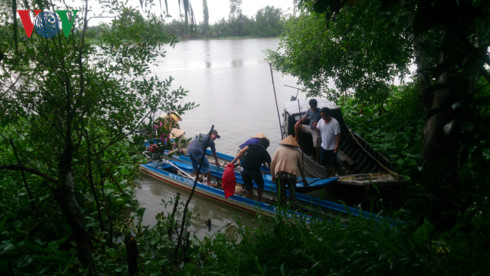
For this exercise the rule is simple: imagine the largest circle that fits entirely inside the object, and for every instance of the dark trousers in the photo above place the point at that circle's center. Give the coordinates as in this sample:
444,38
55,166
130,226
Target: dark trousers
285,181
250,174
328,157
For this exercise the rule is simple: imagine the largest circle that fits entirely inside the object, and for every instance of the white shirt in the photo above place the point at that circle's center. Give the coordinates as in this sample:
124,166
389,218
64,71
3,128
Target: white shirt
329,132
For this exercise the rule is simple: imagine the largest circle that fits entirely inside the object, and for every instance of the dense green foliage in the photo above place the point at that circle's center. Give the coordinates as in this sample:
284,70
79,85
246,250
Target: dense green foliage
393,127
280,247
70,112
347,52
35,237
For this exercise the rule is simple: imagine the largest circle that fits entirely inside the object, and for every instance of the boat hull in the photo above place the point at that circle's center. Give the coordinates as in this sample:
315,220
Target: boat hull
238,202
306,203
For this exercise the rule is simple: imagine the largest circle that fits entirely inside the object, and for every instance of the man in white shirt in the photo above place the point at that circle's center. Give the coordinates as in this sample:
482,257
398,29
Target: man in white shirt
329,129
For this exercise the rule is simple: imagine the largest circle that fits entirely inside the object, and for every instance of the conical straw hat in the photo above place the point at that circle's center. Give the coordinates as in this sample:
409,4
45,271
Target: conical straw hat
290,141
176,133
260,135
172,115
175,116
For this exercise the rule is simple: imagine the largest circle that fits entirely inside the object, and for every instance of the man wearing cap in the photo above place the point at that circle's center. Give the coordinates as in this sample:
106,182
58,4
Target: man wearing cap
329,129
196,150
256,155
285,165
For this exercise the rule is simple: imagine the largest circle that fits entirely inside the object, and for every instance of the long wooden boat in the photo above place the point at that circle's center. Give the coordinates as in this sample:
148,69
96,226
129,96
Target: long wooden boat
167,173
358,163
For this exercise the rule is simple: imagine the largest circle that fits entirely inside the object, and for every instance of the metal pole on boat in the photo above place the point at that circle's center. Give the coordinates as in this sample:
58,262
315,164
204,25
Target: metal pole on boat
297,90
275,97
302,153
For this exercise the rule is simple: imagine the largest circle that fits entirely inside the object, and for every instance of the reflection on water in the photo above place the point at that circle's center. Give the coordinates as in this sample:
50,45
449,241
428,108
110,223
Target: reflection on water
232,83
208,216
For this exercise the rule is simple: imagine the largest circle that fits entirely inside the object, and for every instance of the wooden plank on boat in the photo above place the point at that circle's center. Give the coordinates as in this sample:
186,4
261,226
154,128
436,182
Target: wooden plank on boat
344,158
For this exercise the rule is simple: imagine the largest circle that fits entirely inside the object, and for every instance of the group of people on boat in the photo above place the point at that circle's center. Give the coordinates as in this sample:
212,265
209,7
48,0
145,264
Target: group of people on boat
252,154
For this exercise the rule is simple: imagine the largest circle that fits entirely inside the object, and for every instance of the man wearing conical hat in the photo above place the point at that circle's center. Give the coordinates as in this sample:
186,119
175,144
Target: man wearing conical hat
285,165
179,141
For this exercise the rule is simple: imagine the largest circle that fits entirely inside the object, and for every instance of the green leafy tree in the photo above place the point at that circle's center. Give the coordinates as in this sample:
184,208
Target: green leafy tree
350,52
268,22
69,107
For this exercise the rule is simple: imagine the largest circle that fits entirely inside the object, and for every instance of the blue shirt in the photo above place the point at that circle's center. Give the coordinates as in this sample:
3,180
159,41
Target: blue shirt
249,142
313,116
199,142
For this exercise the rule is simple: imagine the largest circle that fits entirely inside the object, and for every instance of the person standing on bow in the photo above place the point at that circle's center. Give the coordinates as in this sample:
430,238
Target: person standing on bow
329,129
312,114
196,151
256,155
285,165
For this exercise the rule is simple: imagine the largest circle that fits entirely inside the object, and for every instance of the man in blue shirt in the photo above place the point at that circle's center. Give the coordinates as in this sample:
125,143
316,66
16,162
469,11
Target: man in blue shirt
313,114
196,149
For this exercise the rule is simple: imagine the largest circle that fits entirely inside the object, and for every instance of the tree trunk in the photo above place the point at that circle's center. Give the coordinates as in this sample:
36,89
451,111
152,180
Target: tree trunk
441,147
65,196
448,106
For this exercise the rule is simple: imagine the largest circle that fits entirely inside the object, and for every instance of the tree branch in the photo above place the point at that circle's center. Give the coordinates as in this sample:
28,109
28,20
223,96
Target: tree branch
29,170
23,174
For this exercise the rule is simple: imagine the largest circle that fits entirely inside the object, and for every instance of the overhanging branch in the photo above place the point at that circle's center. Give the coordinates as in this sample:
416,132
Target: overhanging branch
29,170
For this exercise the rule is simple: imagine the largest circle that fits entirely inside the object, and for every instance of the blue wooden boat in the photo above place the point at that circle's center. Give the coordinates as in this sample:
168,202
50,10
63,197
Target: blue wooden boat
314,183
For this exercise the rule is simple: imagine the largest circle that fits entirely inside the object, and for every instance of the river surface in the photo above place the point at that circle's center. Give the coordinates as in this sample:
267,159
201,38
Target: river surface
232,83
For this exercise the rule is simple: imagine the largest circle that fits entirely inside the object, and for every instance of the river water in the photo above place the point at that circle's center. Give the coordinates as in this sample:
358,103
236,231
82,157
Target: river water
232,83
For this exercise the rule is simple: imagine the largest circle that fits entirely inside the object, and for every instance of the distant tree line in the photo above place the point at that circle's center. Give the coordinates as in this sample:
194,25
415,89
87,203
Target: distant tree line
268,22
